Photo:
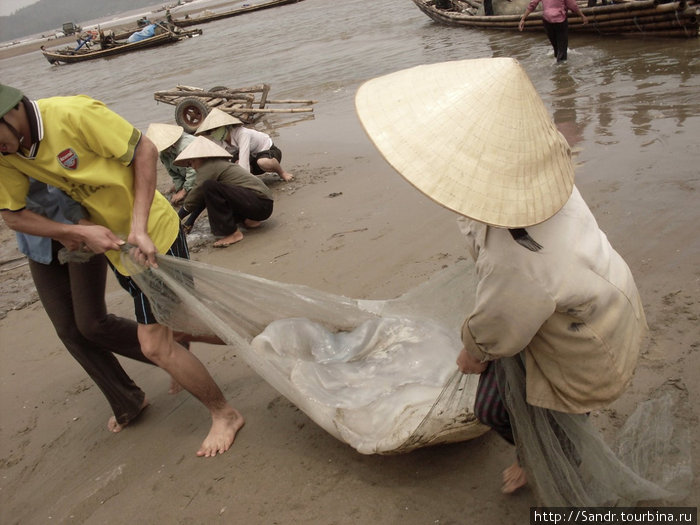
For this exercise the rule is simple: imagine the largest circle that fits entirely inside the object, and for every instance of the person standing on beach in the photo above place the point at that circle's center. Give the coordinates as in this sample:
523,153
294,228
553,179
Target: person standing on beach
554,301
256,151
101,161
73,296
555,23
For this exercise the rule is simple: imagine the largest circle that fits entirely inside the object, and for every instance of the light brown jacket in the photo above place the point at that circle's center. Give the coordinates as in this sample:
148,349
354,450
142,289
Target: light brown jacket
573,307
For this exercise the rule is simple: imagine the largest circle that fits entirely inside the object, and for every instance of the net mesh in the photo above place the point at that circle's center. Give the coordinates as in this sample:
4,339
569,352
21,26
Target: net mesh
380,375
569,464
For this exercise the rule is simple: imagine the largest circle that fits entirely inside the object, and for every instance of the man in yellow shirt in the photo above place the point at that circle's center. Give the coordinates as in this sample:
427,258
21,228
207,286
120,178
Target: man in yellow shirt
101,161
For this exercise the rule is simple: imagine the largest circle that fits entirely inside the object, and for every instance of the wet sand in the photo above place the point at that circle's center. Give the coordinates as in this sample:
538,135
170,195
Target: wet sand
347,224
331,230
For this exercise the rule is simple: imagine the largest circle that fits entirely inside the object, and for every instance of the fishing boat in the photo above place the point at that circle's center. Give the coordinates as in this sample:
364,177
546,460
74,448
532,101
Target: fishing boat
666,18
107,47
211,17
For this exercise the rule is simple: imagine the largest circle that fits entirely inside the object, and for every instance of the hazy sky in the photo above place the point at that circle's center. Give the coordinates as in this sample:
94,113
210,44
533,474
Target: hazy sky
7,7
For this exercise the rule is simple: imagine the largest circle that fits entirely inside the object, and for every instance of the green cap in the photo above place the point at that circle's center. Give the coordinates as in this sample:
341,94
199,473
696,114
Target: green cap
9,97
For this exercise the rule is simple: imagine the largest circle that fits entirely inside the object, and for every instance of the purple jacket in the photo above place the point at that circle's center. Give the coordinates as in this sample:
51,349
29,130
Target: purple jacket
554,11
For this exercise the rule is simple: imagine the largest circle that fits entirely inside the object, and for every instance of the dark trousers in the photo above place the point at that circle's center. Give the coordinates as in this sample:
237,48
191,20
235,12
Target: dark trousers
73,296
489,407
228,205
558,35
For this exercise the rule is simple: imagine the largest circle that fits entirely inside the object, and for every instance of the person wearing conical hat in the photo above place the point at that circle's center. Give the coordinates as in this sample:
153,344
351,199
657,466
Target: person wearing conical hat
256,151
230,194
78,145
551,291
170,141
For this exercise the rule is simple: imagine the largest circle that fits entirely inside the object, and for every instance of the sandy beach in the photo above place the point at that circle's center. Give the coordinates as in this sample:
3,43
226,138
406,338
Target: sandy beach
347,224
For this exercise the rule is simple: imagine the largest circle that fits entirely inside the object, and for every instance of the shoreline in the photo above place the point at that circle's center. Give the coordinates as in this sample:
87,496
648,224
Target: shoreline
30,46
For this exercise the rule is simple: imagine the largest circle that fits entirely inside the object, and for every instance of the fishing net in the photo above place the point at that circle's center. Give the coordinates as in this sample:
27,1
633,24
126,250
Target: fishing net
380,375
569,464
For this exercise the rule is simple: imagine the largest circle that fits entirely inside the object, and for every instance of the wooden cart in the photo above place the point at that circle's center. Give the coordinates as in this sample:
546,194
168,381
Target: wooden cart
192,104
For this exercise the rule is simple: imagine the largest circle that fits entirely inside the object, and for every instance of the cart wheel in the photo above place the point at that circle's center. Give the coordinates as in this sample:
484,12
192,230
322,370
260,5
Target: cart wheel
190,112
219,88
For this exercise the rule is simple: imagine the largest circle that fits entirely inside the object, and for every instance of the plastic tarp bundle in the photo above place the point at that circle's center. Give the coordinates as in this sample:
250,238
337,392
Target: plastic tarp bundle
380,375
143,34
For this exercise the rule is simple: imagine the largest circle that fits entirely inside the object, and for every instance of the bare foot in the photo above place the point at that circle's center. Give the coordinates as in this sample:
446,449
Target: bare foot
229,240
222,433
513,478
250,223
115,427
286,176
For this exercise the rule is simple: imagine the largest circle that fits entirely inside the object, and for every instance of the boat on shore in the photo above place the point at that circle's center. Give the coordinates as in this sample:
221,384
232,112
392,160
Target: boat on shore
666,18
211,17
106,47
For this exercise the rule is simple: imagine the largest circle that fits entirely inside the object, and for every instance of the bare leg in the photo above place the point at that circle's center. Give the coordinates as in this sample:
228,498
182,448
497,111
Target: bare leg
159,345
185,340
513,478
273,164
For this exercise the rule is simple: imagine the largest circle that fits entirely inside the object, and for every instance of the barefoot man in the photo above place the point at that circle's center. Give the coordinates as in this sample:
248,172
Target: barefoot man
101,161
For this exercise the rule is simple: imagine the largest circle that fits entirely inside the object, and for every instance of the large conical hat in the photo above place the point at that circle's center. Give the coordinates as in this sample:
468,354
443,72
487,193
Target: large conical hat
473,135
215,119
200,148
164,135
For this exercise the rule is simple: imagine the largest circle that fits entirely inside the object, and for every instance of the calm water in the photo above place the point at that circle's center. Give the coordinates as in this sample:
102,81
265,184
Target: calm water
630,105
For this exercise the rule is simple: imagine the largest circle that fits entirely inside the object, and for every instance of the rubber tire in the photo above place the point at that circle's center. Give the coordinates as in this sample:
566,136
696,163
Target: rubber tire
190,112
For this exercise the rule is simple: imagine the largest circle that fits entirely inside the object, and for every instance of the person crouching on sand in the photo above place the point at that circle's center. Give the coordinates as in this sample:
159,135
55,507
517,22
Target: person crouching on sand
230,194
256,152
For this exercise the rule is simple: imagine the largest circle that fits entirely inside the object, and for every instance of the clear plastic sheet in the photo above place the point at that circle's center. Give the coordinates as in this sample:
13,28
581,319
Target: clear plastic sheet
379,375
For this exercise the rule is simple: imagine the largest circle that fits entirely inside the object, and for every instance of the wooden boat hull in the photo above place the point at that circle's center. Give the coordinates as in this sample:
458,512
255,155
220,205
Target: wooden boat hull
649,17
186,22
69,57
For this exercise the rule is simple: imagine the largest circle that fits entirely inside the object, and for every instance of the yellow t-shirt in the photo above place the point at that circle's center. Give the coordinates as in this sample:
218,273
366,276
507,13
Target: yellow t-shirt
86,151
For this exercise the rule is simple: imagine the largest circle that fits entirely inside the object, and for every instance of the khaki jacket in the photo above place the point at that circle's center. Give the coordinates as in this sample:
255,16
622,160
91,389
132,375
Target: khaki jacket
572,306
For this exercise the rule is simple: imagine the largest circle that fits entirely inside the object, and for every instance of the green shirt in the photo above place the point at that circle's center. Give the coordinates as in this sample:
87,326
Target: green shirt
228,173
183,176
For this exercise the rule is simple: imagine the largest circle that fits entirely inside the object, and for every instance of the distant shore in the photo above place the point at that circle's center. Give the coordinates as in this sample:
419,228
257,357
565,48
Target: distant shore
31,46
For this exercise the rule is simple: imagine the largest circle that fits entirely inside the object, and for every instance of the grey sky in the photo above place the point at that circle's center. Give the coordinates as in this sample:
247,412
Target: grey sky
7,7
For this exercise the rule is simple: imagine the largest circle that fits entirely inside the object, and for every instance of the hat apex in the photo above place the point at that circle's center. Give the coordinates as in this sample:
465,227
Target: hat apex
164,135
216,119
473,135
200,148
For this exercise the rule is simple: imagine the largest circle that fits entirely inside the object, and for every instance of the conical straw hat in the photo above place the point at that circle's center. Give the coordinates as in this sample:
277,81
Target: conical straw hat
215,119
473,135
200,148
164,135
